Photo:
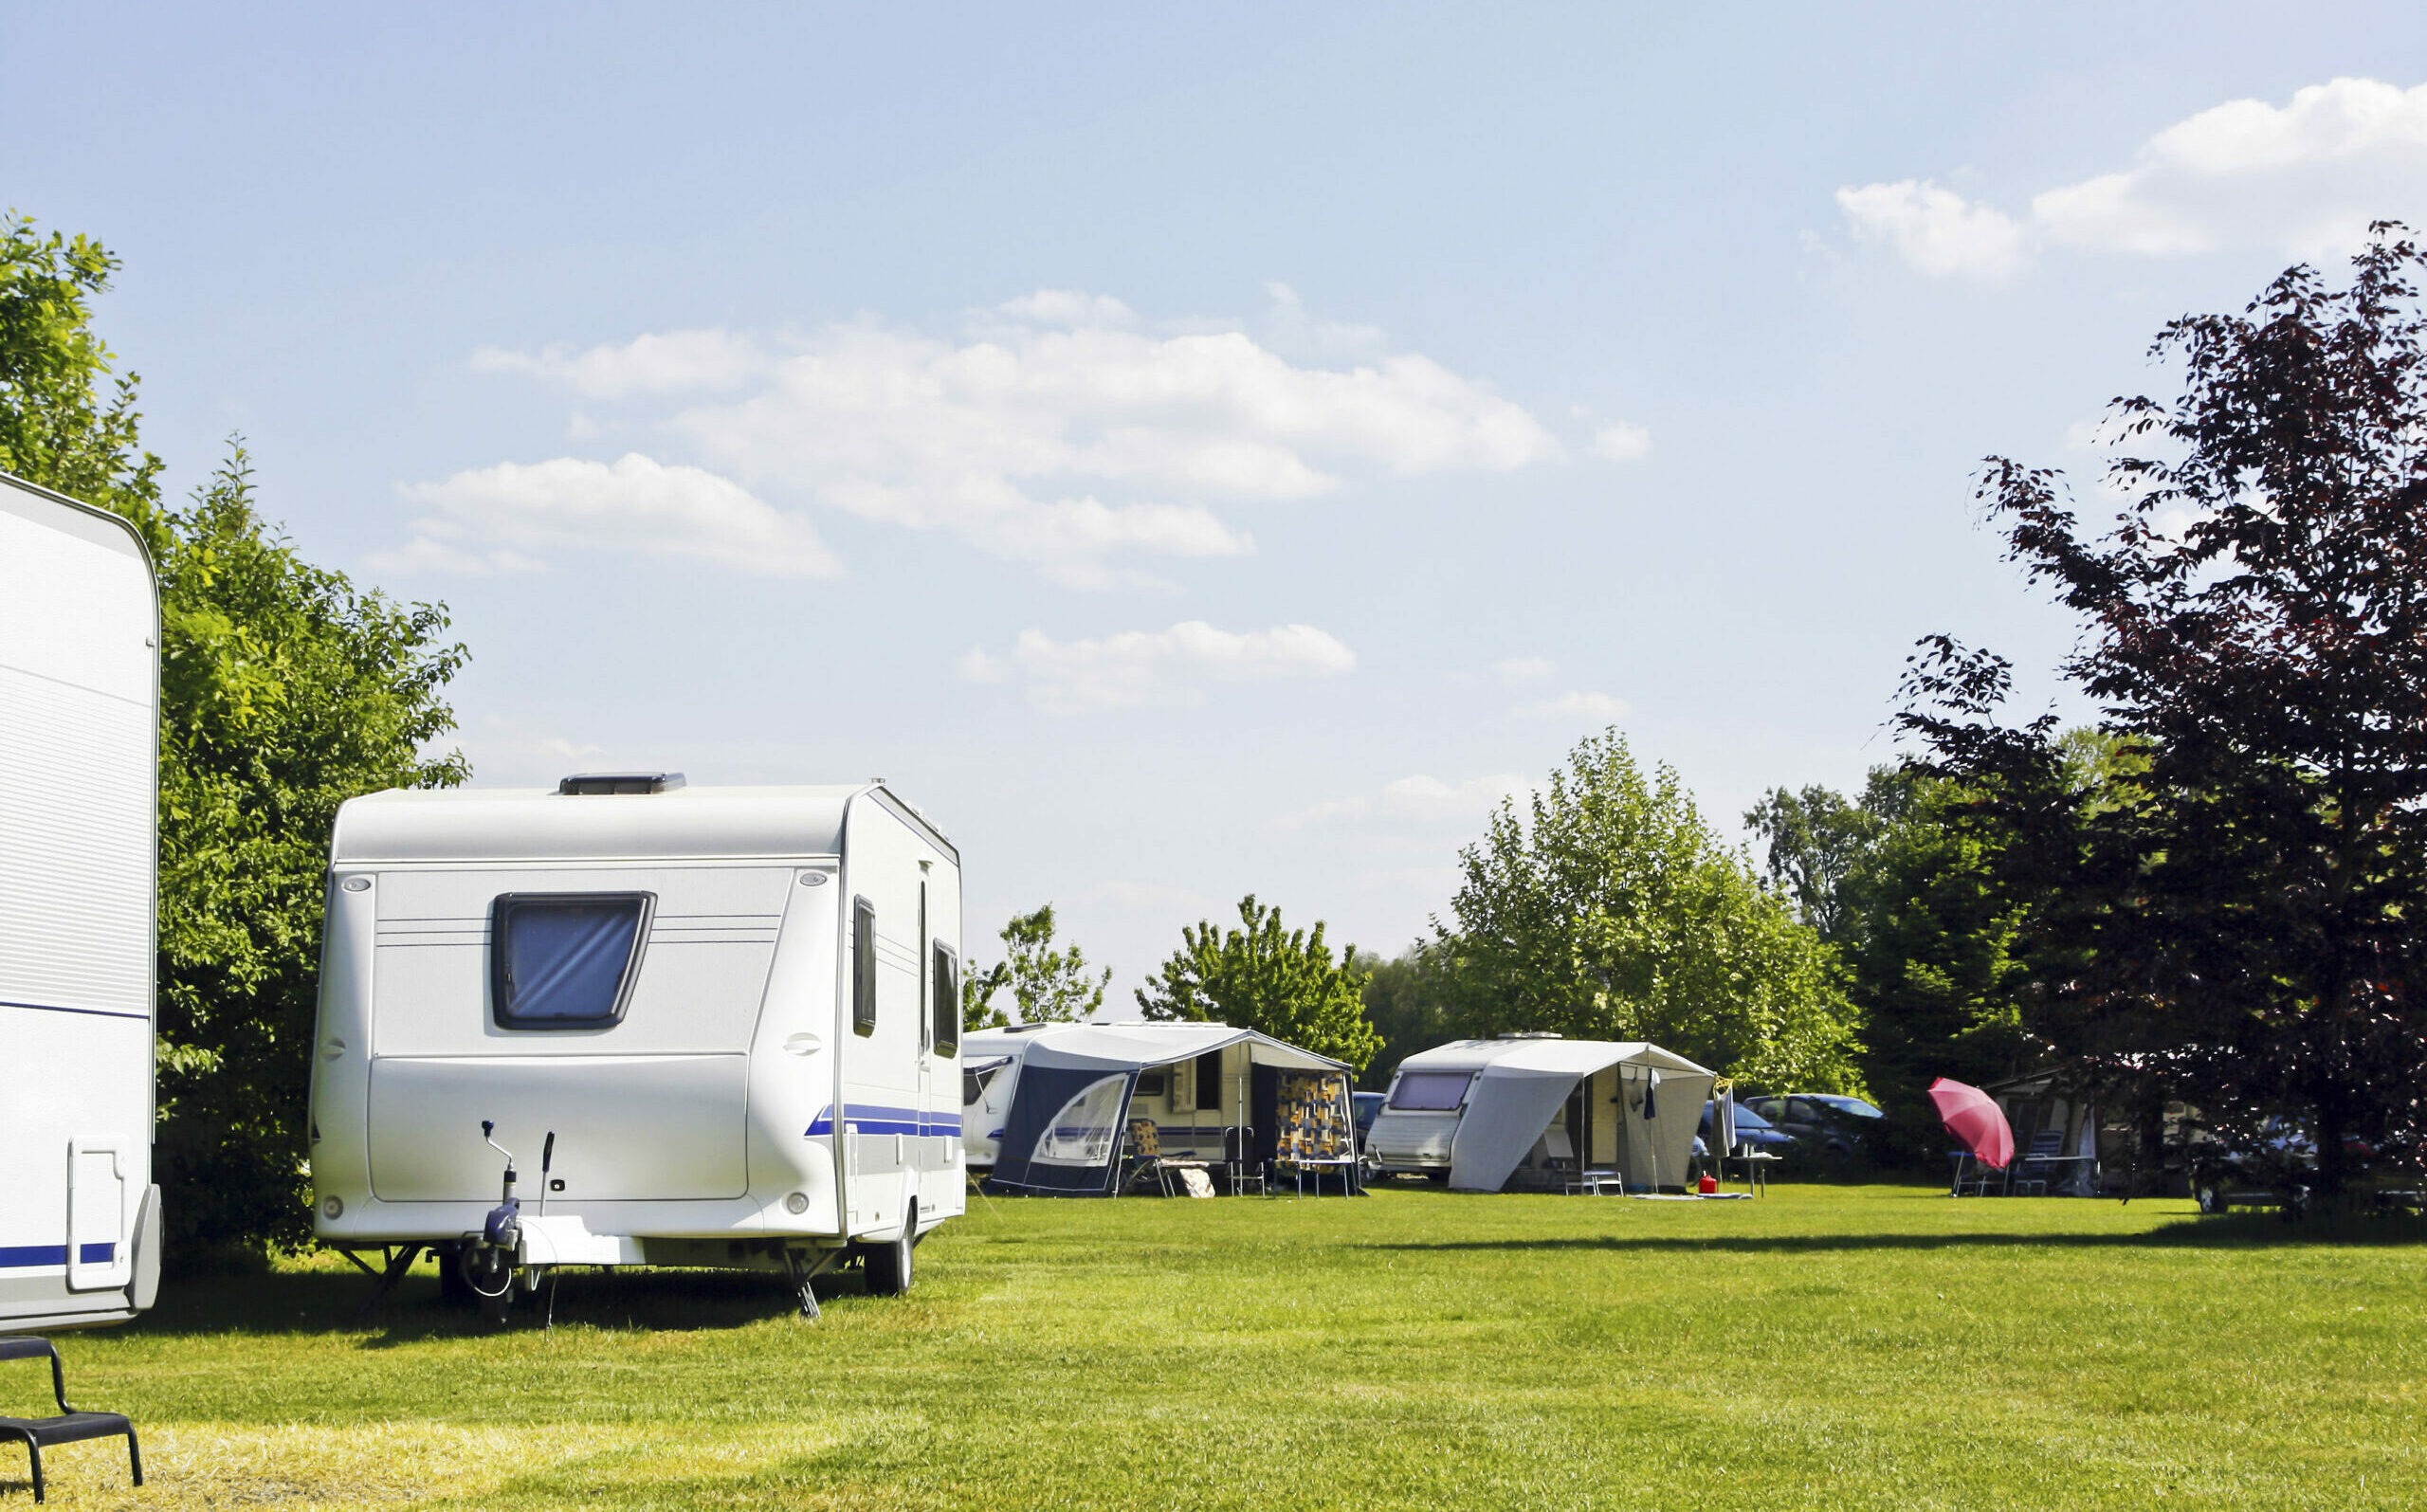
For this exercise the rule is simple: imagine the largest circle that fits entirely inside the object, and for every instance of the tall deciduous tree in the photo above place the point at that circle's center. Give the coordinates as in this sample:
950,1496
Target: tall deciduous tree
1047,985
1608,910
1284,982
2242,917
285,691
1410,1003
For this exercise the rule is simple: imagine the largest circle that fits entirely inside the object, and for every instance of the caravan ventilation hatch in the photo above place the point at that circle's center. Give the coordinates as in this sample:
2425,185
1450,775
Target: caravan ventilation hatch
594,784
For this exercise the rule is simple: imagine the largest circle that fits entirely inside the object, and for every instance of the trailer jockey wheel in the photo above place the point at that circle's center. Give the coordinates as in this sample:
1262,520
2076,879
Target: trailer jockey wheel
888,1265
454,1288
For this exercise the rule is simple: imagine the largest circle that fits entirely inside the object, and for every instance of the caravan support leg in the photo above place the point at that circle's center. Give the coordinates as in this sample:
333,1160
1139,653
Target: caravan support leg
399,1262
802,1273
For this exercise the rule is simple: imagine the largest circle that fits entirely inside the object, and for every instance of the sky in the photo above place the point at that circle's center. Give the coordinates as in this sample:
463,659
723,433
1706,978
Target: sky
1198,453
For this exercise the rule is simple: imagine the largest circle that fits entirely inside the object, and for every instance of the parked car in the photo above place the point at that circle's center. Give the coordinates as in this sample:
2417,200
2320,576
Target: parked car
1826,1122
2273,1169
1751,1130
1368,1106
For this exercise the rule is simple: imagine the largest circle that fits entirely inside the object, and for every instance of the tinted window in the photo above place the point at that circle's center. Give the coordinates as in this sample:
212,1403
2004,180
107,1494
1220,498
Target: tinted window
1429,1091
1151,1084
564,961
862,966
947,979
973,1084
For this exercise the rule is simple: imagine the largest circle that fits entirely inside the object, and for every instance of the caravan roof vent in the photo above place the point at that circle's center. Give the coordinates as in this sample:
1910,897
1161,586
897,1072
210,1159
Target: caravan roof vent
593,784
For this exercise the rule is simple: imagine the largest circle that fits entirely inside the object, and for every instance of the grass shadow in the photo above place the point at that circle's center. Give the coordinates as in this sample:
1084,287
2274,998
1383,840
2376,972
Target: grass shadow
2238,1230
327,1302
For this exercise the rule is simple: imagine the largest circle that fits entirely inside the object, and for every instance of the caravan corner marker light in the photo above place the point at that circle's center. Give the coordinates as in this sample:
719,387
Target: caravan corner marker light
333,1206
796,1204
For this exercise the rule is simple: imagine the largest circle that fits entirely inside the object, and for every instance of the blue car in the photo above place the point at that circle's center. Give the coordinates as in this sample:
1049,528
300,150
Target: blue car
1753,1132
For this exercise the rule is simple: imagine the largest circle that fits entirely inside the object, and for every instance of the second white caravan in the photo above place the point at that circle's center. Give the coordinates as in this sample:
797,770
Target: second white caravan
700,1027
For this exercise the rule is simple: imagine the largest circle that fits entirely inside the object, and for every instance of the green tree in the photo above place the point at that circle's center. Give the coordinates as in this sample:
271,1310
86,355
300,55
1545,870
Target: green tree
285,691
1050,986
1608,910
1816,838
1408,1002
1285,983
2240,922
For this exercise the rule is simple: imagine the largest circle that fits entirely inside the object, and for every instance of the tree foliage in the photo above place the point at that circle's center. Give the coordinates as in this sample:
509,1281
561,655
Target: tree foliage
1411,1003
1608,910
1049,986
1932,942
1284,982
285,691
2238,919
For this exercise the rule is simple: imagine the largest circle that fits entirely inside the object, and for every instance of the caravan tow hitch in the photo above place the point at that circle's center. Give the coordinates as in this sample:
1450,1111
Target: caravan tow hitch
493,1261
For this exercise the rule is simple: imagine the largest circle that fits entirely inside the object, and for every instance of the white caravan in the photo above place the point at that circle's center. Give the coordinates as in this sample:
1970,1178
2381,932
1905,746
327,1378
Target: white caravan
80,740
723,1023
1538,1111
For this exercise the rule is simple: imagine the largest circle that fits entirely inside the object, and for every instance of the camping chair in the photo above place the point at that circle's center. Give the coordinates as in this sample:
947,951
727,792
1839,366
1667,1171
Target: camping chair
1146,1157
1238,1161
1972,1175
71,1425
2031,1172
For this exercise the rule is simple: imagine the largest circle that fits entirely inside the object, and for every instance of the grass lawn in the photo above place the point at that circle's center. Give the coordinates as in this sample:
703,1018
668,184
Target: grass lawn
1827,1347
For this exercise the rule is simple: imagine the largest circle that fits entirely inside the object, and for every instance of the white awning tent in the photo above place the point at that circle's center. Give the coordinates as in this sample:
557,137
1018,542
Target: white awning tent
1641,1106
1063,1132
1144,1047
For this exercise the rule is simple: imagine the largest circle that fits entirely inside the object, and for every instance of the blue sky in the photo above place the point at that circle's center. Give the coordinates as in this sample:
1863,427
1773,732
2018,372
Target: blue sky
1187,453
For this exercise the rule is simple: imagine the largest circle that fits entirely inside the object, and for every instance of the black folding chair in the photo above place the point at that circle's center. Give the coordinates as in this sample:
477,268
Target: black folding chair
71,1425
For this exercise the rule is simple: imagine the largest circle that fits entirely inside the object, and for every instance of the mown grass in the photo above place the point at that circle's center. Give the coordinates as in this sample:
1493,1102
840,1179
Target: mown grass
1825,1347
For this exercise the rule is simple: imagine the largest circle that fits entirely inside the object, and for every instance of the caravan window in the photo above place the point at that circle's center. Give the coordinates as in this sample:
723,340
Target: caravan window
1431,1091
862,966
947,1006
565,960
1152,1082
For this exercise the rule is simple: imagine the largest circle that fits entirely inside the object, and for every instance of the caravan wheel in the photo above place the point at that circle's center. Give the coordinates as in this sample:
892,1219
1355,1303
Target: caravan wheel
888,1265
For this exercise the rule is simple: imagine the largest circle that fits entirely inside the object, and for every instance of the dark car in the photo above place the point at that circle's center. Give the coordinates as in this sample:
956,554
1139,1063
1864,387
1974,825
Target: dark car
1752,1131
1368,1106
1828,1122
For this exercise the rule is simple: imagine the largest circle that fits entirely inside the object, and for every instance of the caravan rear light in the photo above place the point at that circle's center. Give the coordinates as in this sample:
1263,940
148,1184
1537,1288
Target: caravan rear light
333,1206
796,1204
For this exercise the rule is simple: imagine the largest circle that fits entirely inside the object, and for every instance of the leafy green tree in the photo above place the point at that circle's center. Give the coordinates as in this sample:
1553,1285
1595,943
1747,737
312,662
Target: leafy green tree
2238,922
1816,838
1609,910
1050,986
1408,1002
1285,983
285,691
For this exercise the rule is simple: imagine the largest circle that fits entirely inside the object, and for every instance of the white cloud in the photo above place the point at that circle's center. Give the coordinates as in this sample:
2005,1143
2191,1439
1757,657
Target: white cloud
2302,179
1418,802
510,516
1144,668
1619,441
668,362
1575,706
1935,229
1515,669
1053,430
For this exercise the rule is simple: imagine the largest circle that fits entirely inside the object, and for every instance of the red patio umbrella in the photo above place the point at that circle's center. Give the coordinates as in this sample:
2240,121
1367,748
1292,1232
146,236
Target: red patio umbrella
1974,1118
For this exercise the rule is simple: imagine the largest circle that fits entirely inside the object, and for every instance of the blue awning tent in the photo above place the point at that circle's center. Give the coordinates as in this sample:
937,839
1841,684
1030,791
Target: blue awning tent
1064,1130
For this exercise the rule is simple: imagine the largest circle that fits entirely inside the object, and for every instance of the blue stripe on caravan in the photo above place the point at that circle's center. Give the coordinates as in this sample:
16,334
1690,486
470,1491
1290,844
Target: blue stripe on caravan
869,1119
89,1012
18,1256
21,1256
